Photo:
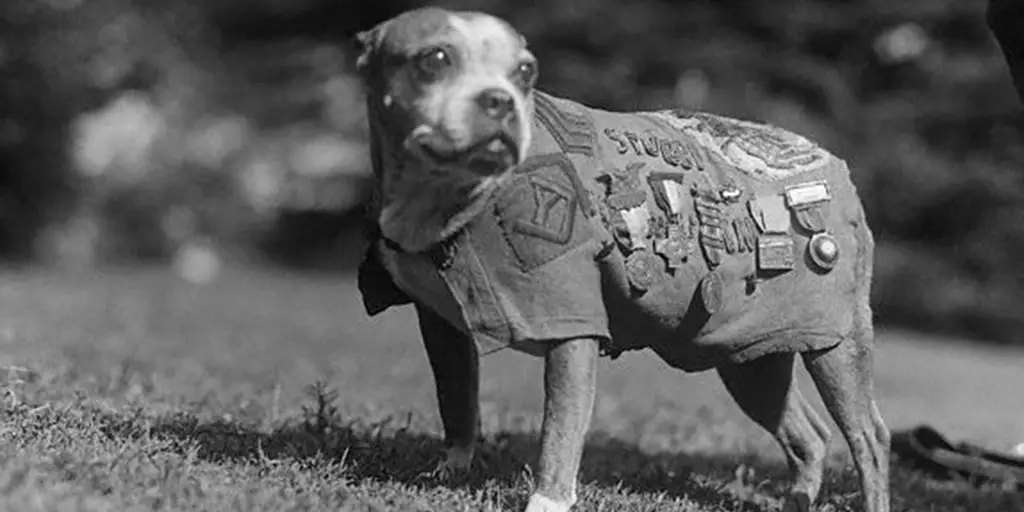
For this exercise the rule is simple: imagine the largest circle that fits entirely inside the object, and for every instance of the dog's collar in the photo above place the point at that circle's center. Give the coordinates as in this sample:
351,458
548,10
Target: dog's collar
442,253
373,233
393,245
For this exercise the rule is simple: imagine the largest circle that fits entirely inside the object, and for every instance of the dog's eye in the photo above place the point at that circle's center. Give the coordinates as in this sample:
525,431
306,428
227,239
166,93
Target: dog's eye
433,62
525,74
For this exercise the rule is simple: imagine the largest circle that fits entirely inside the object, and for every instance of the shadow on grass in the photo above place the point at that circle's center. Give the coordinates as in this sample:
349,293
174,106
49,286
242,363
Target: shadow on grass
387,452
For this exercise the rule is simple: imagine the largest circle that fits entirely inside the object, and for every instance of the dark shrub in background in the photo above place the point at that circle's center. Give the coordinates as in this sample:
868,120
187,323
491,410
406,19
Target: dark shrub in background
914,94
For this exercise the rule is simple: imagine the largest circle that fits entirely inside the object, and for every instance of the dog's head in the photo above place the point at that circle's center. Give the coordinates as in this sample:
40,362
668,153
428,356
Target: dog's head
451,88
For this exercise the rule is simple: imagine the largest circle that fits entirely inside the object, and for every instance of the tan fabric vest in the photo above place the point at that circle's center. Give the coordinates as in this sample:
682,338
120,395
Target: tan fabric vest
705,238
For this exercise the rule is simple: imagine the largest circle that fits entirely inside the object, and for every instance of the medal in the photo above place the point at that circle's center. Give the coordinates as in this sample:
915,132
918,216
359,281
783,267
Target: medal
643,268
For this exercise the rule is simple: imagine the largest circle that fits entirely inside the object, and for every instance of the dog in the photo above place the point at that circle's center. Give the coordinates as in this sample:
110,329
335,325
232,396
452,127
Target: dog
512,218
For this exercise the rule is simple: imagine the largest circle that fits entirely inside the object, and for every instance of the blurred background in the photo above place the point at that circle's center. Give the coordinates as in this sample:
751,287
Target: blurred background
221,132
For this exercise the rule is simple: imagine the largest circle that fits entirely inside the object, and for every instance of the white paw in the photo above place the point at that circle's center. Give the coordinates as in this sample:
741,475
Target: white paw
540,503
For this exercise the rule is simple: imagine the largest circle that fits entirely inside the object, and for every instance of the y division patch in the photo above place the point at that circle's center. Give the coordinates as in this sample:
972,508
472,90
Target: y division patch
541,210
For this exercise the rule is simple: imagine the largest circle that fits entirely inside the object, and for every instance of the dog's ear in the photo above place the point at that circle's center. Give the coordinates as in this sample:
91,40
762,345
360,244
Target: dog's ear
367,43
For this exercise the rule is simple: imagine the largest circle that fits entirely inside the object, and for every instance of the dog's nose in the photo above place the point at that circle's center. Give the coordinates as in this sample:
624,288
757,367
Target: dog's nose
497,104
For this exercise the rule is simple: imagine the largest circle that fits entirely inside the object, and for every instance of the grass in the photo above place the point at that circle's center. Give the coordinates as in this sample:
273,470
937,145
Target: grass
275,392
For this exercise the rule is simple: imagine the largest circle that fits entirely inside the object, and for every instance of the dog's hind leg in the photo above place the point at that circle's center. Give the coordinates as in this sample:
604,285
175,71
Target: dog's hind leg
766,391
456,365
844,378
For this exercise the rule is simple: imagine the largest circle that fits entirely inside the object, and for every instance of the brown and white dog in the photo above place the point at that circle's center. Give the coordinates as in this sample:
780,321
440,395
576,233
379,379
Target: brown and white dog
511,218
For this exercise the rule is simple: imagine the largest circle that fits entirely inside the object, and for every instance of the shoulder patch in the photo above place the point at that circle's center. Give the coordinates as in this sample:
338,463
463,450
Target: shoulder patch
762,151
574,132
542,211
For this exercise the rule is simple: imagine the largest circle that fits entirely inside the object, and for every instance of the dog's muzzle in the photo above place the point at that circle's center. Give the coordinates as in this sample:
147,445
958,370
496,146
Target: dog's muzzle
492,155
494,127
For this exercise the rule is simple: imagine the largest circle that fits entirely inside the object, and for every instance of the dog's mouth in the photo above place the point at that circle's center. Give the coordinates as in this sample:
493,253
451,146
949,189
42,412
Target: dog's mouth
490,156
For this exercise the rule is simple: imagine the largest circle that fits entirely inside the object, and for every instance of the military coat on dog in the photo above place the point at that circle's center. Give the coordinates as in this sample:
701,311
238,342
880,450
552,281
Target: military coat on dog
708,239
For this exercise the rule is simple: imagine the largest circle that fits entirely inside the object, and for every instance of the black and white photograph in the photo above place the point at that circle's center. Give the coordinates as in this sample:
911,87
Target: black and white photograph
488,255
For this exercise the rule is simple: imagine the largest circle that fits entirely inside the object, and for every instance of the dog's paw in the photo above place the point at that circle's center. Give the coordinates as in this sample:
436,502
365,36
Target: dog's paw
798,502
441,472
540,503
457,462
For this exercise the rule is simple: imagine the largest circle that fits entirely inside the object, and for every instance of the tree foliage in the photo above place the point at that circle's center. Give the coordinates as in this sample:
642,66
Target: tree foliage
914,94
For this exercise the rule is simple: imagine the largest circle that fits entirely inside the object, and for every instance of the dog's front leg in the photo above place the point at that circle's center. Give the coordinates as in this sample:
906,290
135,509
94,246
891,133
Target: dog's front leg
570,379
456,365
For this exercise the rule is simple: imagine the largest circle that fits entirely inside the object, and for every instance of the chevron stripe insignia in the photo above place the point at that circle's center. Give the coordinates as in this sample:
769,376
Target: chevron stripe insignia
574,133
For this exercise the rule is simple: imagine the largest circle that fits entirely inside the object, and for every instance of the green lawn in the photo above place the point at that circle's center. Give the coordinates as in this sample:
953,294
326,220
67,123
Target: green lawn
151,394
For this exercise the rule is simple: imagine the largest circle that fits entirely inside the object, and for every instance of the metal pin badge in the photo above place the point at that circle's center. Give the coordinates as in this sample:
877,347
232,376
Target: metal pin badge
775,252
730,194
711,290
824,250
642,269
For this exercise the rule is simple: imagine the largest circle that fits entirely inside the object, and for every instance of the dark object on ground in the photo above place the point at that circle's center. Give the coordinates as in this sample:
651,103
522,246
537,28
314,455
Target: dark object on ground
925,448
1006,17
